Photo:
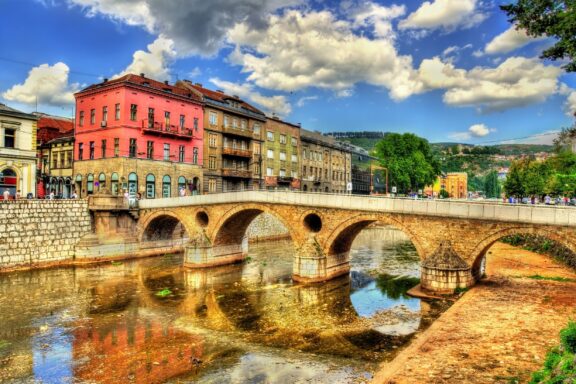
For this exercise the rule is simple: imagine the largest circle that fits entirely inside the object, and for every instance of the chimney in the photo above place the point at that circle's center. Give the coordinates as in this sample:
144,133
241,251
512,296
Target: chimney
198,84
105,79
166,82
235,96
219,91
142,74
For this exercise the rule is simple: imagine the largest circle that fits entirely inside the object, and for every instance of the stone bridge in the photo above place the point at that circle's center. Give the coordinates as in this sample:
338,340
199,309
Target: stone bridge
451,236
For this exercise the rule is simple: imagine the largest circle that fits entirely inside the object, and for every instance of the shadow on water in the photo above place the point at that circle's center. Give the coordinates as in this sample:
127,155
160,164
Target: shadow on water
395,287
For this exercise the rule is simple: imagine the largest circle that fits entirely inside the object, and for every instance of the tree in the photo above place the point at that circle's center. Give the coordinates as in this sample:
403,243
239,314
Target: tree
514,185
492,187
553,18
528,177
565,139
409,159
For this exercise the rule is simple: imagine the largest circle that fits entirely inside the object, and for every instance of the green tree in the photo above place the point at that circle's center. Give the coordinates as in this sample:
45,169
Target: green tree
514,184
528,177
563,142
409,159
492,187
553,18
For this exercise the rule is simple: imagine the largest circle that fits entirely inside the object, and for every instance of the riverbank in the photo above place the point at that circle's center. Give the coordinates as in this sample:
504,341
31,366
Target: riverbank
498,332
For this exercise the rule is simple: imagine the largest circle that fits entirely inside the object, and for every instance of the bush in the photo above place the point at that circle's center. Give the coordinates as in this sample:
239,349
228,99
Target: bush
559,366
568,337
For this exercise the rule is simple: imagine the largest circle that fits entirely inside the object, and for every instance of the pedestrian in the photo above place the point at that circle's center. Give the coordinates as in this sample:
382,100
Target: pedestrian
74,195
6,194
547,200
18,195
51,196
182,191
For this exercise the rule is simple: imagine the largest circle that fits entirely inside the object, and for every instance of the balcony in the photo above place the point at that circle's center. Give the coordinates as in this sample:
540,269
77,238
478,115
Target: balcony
237,131
239,173
236,152
160,129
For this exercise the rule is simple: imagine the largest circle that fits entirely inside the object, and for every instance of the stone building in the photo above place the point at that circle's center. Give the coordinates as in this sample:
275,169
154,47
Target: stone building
17,152
55,143
138,135
326,164
281,152
233,141
455,183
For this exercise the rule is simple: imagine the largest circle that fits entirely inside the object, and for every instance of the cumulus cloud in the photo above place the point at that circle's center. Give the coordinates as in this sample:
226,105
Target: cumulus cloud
46,85
378,17
303,100
516,82
570,104
509,40
197,26
445,14
302,49
270,104
154,62
475,131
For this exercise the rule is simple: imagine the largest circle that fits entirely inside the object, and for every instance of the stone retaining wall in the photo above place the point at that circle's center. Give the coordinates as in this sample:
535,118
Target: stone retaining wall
41,232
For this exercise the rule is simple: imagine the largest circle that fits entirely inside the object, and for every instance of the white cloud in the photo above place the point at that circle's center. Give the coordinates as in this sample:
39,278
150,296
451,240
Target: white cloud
154,62
303,100
480,130
379,18
302,49
46,85
546,137
460,136
509,40
196,26
195,72
445,14
271,104
516,82
452,53
570,104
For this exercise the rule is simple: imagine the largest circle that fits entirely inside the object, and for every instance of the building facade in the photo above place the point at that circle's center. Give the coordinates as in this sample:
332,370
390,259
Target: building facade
138,135
455,183
17,152
281,152
326,164
55,148
233,141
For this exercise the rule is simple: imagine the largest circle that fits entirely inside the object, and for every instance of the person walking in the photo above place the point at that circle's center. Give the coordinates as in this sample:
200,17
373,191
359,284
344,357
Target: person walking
6,194
18,195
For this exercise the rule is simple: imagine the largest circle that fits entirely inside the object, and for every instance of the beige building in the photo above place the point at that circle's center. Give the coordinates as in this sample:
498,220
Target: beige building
326,164
233,132
17,152
281,154
455,183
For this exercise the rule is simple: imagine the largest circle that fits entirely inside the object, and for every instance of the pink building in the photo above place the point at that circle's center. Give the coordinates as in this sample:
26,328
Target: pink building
138,135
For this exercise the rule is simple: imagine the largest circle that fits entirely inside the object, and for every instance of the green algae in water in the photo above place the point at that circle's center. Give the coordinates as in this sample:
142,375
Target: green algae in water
116,263
396,287
163,293
4,344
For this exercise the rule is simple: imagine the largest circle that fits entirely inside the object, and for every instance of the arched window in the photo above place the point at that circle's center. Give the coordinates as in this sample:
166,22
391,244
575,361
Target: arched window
133,184
166,188
90,184
181,186
101,181
114,183
8,181
150,186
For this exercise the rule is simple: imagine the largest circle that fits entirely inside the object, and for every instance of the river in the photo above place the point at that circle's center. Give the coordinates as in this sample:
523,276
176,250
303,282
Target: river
152,321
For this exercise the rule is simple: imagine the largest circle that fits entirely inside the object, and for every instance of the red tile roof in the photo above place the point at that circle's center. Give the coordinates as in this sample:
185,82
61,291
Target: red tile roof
145,82
52,127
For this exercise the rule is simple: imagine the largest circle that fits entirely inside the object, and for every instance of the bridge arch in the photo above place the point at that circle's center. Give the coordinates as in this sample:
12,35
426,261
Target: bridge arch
163,225
478,253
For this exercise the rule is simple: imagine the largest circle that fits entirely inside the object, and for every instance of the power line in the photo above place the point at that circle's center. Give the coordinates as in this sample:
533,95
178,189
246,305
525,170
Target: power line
37,65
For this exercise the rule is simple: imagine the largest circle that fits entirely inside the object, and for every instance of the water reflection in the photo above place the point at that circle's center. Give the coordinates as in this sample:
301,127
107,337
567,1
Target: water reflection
153,321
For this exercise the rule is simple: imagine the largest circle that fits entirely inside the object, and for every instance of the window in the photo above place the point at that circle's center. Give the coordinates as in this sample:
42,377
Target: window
150,186
92,116
114,183
150,117
282,139
196,124
257,128
117,113
81,119
270,154
294,158
257,169
304,171
116,146
181,183
283,156
166,119
243,124
270,135
194,155
104,148
212,162
80,151
101,181
212,185
235,123
243,145
213,118
293,141
90,184
133,112
166,188
213,140
68,159
304,154
269,171
91,150
294,174
104,113
166,151
132,148
257,148
226,121
149,149
181,153
54,161
182,121
132,184
10,138
282,173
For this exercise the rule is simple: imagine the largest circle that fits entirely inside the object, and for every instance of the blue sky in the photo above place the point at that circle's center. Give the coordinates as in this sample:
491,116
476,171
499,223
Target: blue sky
447,70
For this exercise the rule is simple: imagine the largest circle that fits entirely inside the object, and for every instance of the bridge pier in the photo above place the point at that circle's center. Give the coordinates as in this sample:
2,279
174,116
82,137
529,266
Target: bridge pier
444,271
201,253
311,265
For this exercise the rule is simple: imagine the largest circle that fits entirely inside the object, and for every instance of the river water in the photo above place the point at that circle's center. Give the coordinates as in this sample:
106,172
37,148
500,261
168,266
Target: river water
152,321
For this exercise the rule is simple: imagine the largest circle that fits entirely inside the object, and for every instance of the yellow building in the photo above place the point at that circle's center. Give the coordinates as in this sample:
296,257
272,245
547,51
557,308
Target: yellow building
17,152
455,183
